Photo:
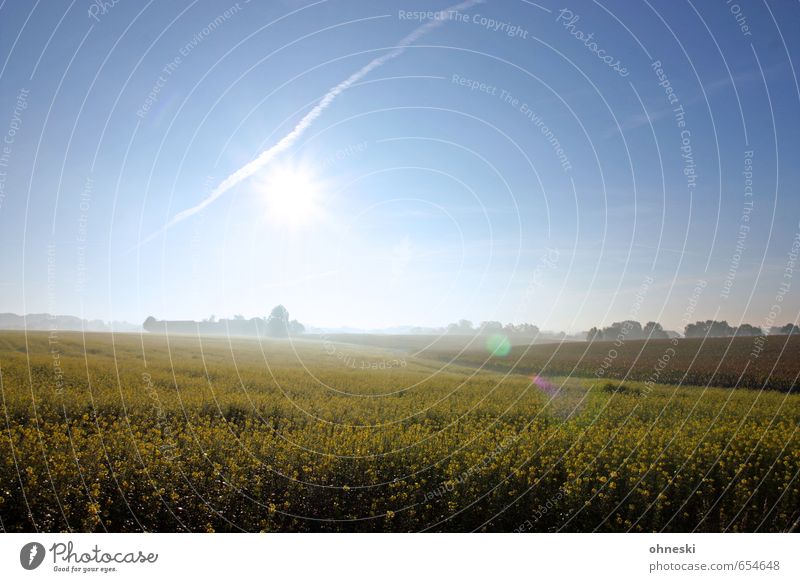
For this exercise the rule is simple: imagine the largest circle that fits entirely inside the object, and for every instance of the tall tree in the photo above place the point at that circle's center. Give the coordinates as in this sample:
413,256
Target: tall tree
653,330
278,322
748,330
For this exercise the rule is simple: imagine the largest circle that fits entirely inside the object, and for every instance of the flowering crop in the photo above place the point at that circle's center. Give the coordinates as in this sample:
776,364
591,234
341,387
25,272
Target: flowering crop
124,433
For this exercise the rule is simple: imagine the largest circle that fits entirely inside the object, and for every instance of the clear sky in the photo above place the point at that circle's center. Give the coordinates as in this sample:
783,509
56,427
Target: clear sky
567,165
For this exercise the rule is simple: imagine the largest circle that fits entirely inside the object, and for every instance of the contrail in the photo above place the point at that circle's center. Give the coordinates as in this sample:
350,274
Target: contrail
289,139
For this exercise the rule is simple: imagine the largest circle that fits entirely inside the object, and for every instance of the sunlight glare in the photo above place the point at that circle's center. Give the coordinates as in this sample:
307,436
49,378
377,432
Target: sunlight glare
293,196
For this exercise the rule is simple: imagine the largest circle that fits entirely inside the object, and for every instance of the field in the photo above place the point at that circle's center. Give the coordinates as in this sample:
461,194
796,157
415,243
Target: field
131,433
769,363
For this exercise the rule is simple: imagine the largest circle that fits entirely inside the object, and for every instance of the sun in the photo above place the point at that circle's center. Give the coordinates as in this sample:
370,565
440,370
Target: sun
293,196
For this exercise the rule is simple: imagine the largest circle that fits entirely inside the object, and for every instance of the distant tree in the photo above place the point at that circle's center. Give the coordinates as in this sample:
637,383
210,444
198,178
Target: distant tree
238,317
619,330
694,329
709,328
278,322
722,329
464,326
491,327
625,330
296,328
630,329
653,330
149,323
748,330
522,329
788,329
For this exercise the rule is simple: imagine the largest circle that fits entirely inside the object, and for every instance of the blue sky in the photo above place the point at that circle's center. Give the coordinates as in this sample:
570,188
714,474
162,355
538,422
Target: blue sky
498,168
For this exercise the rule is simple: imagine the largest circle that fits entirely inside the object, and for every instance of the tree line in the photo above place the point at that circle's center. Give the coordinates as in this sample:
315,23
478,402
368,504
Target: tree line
627,329
634,330
712,328
465,327
276,324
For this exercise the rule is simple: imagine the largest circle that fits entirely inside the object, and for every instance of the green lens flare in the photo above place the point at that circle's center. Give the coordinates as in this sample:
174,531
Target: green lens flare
498,345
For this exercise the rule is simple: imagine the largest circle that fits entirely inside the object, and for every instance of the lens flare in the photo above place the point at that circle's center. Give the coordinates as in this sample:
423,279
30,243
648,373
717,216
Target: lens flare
498,345
545,386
